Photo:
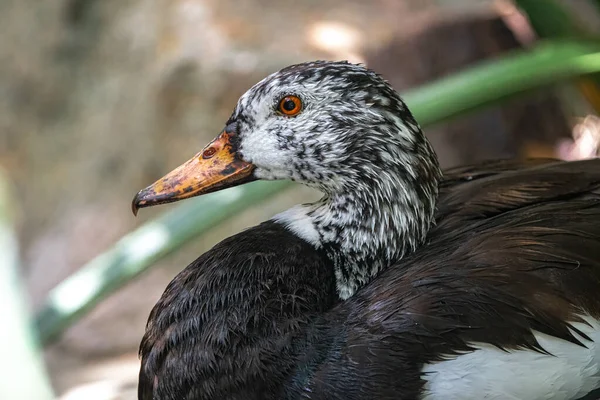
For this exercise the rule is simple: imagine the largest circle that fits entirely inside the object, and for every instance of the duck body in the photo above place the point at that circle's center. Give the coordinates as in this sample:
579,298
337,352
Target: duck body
491,307
400,283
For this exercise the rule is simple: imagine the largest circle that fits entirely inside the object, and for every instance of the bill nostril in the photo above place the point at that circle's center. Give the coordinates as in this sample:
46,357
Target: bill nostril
208,153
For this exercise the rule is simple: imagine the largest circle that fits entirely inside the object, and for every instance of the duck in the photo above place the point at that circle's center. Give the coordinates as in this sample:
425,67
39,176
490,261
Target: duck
401,282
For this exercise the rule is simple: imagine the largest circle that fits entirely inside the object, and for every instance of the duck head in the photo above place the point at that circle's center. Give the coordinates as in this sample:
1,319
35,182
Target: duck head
337,127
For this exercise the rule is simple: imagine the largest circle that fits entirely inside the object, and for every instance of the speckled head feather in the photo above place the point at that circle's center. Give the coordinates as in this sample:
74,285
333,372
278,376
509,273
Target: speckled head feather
356,141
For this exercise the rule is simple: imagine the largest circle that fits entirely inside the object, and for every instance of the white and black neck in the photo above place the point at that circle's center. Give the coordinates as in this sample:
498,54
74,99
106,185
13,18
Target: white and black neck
356,141
373,222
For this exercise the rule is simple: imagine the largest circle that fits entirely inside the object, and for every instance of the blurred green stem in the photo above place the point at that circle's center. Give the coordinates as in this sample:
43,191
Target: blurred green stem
554,19
480,86
496,80
23,373
140,249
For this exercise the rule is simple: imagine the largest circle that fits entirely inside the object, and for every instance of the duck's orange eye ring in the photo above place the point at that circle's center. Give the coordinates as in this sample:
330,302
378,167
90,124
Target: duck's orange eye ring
290,106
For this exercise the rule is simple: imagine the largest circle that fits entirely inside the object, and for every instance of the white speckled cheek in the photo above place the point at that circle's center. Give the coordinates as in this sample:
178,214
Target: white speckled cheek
259,137
262,149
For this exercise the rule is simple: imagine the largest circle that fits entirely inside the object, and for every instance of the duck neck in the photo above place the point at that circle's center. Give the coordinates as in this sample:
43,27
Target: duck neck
369,226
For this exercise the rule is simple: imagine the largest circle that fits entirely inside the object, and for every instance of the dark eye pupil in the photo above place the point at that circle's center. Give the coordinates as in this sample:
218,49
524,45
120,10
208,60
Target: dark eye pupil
289,105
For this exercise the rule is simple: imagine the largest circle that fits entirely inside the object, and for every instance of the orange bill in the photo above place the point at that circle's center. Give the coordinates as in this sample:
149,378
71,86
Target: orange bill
216,167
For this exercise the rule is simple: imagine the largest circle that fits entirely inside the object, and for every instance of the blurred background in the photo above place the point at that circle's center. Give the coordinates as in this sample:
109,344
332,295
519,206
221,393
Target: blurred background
100,98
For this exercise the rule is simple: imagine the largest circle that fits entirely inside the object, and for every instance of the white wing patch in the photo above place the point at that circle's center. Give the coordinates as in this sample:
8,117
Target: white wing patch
489,373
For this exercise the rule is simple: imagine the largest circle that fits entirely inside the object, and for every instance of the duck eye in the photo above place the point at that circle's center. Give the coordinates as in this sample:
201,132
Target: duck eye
290,106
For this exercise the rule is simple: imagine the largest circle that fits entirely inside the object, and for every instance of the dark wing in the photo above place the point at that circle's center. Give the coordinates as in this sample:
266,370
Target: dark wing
514,250
467,173
202,342
468,195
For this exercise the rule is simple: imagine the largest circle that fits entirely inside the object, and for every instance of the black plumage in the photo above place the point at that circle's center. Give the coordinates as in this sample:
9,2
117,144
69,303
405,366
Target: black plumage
249,319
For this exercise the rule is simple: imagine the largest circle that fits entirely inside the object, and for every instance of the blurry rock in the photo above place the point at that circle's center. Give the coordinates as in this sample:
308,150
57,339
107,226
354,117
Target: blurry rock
449,46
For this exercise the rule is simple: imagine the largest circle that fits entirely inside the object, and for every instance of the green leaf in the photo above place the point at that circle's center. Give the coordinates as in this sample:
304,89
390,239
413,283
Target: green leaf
477,87
550,19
